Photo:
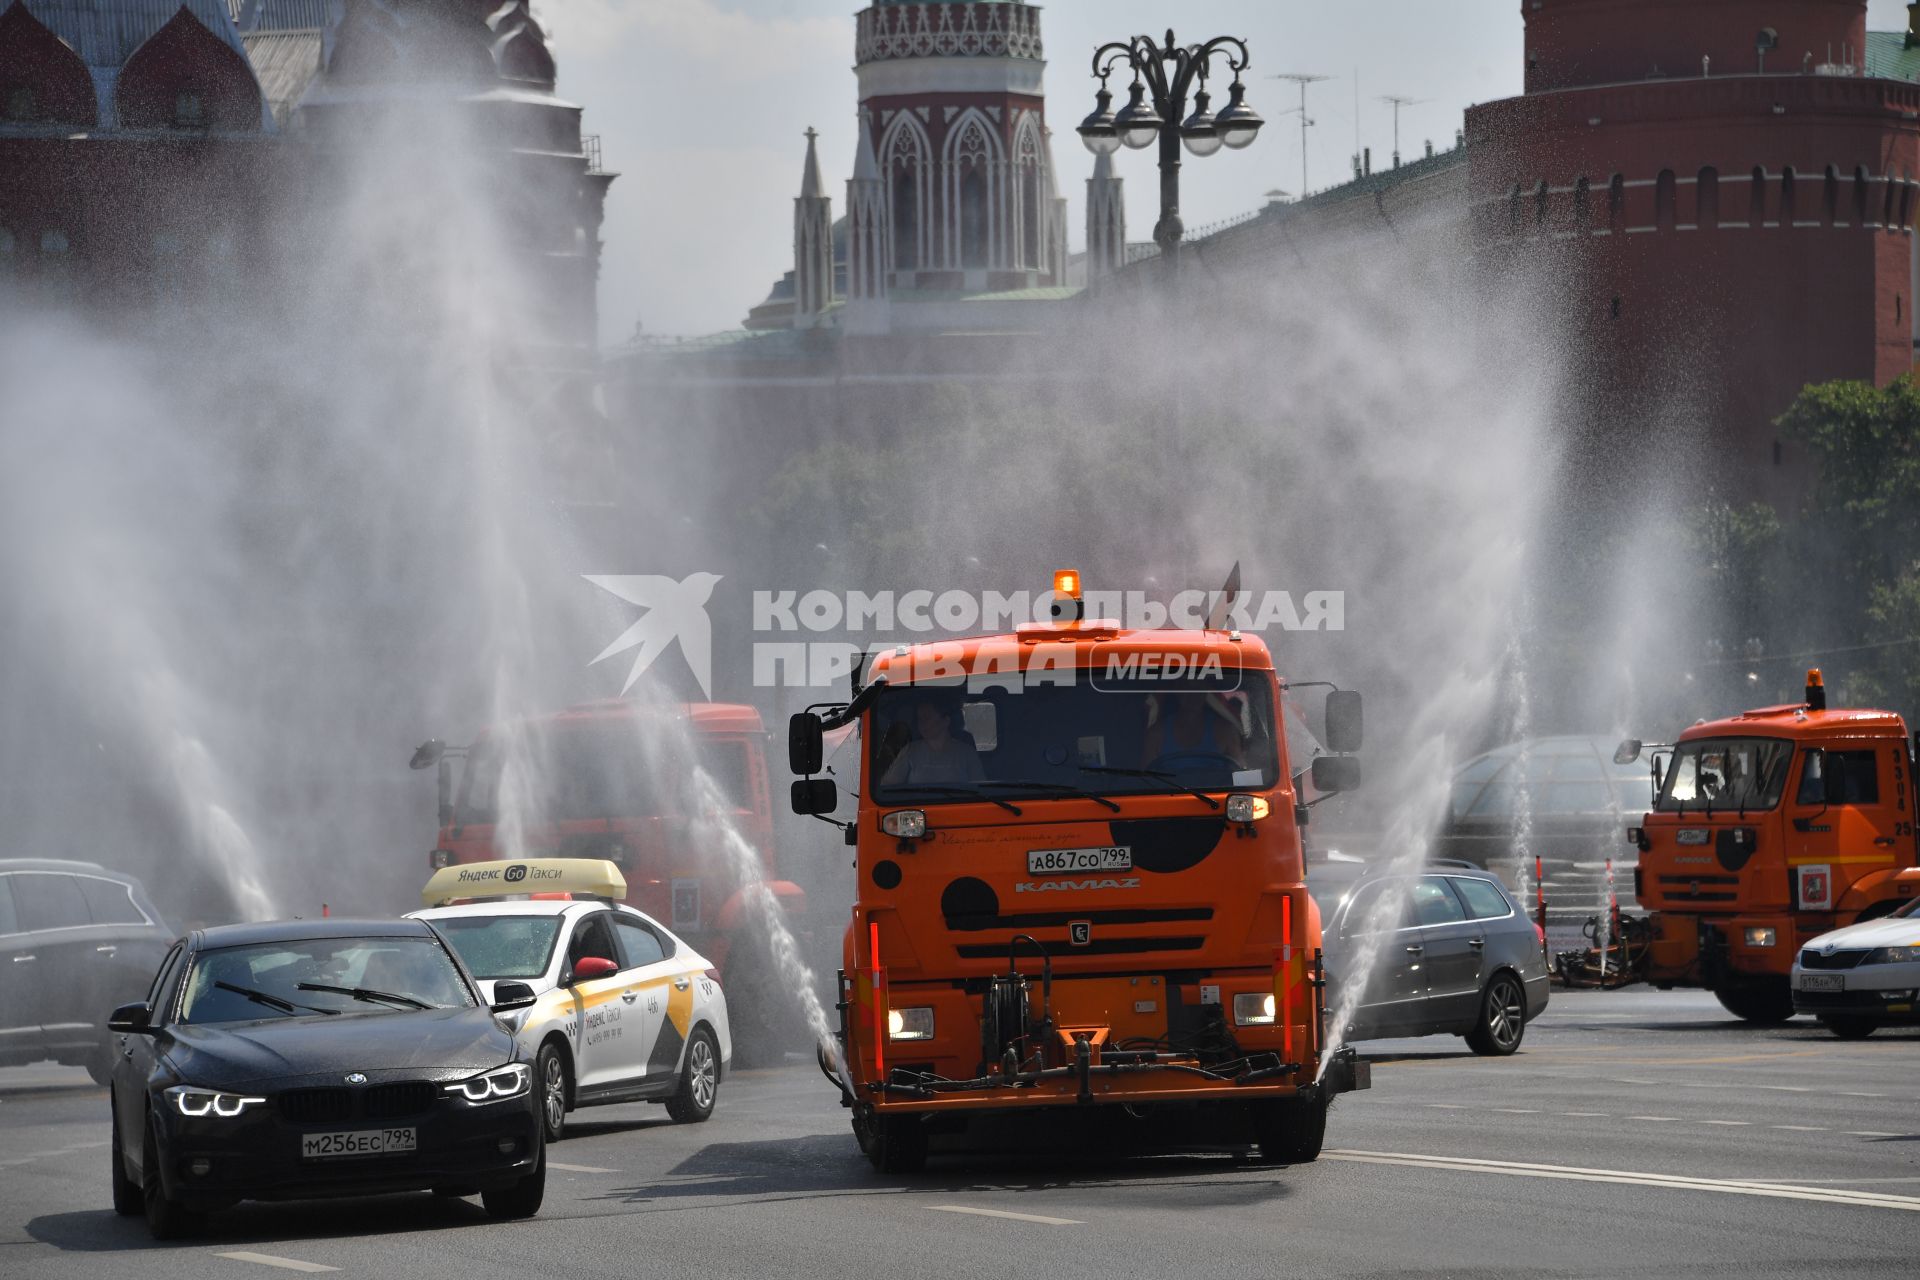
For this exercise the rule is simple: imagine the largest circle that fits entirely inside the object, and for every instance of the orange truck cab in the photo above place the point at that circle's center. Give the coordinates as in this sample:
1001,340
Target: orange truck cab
609,780
1768,829
1081,888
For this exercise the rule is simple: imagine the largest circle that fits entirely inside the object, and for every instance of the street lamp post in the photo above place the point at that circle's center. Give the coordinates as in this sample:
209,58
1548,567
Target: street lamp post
1163,77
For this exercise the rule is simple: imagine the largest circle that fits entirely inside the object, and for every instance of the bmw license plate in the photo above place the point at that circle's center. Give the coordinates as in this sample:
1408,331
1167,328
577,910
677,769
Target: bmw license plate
1062,862
357,1142
1823,982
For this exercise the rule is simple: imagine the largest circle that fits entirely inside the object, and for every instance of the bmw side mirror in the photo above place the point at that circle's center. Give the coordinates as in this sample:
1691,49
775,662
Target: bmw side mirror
132,1019
509,995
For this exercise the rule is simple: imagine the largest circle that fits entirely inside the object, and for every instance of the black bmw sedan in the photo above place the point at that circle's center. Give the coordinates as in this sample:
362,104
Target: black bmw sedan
318,1058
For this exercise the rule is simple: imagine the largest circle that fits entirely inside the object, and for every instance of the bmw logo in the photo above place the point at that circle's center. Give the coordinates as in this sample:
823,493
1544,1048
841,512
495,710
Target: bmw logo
514,874
357,1077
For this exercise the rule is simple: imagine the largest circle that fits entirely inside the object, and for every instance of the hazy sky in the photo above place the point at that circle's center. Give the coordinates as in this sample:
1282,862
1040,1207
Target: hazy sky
701,105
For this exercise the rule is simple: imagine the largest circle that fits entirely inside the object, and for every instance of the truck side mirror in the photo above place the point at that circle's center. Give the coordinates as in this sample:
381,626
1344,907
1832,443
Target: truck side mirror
1627,752
814,796
443,786
1335,773
1343,721
427,754
805,745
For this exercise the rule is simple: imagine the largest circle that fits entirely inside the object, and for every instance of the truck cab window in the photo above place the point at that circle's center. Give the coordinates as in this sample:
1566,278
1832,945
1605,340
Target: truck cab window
1839,777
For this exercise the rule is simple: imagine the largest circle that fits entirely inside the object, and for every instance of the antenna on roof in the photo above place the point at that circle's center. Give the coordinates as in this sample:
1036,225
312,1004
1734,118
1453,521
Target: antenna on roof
1303,79
1398,102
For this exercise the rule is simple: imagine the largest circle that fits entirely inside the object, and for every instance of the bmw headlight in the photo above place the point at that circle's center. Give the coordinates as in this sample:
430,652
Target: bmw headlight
1893,955
194,1102
496,1085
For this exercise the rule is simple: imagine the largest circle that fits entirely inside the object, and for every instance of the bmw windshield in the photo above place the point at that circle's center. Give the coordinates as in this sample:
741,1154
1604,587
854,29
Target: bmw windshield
322,976
935,743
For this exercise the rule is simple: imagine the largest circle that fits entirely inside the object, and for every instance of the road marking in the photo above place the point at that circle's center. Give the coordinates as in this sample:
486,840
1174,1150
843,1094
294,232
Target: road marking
1845,1094
1515,1111
1569,1173
578,1168
1594,1115
269,1260
1728,1122
1002,1213
1786,1088
1447,1106
1872,1133
1798,1128
1656,1119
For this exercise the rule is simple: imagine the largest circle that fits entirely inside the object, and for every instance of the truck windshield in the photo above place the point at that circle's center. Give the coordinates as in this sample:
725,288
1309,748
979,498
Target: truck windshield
565,774
942,744
1725,773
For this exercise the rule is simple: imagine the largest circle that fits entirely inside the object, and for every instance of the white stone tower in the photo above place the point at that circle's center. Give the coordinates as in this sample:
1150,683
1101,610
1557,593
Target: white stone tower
1106,221
812,244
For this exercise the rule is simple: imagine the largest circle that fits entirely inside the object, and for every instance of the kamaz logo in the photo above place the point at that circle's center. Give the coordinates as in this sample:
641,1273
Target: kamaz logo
1055,886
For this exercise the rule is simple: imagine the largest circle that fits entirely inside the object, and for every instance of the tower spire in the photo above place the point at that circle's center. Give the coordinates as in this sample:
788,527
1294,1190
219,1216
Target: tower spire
866,221
1106,221
812,243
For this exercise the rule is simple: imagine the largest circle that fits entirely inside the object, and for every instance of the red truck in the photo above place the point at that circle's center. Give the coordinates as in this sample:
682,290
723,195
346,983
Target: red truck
611,779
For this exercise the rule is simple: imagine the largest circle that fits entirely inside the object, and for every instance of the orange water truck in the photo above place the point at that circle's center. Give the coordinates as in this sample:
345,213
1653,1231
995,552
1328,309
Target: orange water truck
1081,888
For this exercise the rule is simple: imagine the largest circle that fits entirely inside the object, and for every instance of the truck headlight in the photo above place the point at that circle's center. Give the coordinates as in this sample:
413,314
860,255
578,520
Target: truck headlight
195,1102
1893,955
1761,936
1246,808
1253,1008
908,824
496,1085
909,1024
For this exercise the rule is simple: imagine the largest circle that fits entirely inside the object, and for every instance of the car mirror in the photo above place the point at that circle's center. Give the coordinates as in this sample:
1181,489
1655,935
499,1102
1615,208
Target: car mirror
509,995
132,1019
586,968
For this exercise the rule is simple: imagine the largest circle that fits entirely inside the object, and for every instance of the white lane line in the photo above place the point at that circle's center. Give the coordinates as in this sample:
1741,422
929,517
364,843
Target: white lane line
1798,1128
1446,1106
1786,1088
578,1168
1729,1123
1872,1133
1515,1111
1592,1115
1655,1119
269,1260
1768,1190
1002,1213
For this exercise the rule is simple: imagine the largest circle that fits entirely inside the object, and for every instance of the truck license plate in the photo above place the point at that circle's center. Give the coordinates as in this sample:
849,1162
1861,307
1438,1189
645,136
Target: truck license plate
357,1142
1061,862
1823,982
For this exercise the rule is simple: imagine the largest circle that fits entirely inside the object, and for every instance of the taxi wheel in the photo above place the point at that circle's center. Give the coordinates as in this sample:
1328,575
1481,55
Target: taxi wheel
126,1196
522,1199
699,1082
550,1077
1850,1028
167,1219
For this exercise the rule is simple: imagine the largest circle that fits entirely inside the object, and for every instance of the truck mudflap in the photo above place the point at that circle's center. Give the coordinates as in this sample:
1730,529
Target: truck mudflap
1347,1072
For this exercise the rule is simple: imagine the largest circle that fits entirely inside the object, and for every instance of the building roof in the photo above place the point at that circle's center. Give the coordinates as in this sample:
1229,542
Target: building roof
106,32
251,16
1889,57
285,63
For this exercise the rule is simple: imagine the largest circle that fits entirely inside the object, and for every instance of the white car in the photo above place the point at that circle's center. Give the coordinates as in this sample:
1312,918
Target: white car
1862,977
624,1011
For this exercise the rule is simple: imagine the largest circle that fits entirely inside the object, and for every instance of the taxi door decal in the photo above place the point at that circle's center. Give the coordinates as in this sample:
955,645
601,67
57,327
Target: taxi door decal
675,1026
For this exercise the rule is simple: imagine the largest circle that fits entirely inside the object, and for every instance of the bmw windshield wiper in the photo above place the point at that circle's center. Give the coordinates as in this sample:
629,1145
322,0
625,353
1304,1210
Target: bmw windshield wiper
271,1001
913,788
366,993
1159,775
1055,788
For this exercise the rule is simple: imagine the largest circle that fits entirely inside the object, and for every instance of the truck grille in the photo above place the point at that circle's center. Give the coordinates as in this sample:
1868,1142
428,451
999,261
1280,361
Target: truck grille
1699,888
1811,959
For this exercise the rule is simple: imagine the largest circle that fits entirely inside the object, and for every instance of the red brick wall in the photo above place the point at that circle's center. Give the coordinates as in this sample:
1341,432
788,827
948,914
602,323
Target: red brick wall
1585,42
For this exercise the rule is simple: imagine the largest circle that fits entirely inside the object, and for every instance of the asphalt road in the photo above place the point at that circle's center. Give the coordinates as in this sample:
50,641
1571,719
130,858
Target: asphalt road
1636,1134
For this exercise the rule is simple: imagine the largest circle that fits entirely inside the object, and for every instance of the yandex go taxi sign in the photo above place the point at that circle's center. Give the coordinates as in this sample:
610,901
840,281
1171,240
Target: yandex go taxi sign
588,877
